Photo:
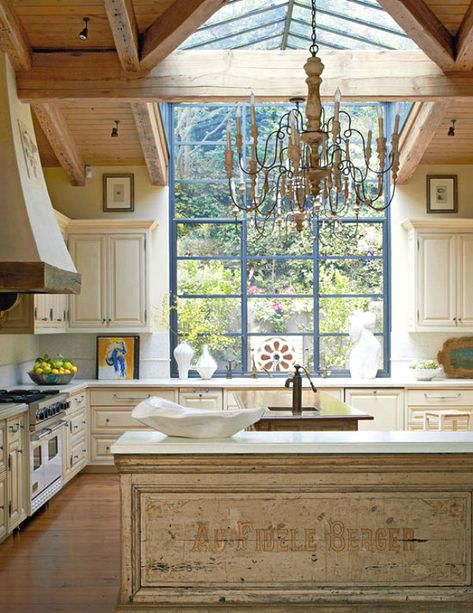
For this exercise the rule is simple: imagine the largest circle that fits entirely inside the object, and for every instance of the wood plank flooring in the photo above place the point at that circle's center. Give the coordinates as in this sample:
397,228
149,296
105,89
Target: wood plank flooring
66,559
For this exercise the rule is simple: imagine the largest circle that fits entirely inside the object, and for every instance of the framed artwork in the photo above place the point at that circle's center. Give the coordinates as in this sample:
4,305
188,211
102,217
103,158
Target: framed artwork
442,194
118,357
456,357
118,192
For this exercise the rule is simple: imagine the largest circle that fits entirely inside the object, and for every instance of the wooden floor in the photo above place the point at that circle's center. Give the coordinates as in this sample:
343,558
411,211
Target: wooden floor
66,558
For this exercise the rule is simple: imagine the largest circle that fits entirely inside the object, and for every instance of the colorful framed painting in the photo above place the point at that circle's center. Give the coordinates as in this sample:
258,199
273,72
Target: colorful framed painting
118,193
118,357
456,357
442,194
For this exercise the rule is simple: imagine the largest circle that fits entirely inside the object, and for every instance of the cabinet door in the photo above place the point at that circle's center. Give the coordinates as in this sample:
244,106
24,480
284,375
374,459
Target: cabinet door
3,508
16,484
59,309
436,287
384,405
127,277
465,281
42,310
88,309
20,320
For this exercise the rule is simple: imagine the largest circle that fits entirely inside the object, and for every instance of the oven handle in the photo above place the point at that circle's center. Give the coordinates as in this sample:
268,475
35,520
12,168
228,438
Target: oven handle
48,431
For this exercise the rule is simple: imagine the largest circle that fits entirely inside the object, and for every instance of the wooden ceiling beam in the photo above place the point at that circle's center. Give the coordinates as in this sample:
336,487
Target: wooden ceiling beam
172,28
420,128
122,20
153,140
61,140
422,26
13,39
464,58
273,76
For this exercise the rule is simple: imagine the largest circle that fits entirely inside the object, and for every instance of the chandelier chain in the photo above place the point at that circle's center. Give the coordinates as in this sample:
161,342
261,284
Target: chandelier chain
314,48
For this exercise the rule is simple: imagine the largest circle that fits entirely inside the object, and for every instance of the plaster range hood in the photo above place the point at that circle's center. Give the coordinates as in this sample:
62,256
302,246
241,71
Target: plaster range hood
33,254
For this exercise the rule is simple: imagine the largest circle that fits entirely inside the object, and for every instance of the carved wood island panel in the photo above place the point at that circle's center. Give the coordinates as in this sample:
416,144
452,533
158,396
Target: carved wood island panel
333,533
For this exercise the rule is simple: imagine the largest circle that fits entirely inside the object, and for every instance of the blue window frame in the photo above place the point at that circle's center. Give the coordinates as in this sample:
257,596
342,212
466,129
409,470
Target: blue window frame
244,294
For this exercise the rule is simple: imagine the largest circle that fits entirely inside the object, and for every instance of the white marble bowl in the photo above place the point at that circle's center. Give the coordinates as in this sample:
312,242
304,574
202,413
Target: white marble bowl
175,420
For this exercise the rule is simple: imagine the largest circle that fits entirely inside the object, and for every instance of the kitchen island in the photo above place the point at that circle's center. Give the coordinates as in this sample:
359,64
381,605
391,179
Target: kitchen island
296,521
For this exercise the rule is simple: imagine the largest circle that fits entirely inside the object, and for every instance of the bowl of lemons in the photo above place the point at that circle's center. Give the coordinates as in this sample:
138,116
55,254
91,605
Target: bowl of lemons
53,371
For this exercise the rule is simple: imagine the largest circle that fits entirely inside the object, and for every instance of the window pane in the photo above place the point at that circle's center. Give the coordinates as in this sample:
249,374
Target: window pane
280,277
276,315
206,239
335,351
200,162
197,123
194,200
334,313
216,316
352,239
280,353
351,276
211,277
292,244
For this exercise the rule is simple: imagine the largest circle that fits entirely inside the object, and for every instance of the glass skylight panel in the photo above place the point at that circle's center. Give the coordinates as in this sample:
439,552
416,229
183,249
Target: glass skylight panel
343,24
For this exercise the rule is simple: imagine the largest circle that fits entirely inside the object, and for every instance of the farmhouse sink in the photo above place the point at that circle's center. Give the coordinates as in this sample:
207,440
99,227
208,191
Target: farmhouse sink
175,420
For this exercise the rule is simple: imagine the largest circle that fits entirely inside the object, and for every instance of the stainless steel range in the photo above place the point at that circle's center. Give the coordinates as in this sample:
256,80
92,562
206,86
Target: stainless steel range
46,411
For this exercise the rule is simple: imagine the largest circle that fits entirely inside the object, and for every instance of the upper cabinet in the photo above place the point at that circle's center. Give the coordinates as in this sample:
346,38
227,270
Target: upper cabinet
441,274
113,259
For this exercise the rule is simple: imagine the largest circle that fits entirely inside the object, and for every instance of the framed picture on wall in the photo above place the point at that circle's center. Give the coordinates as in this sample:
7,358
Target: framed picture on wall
118,357
118,192
442,194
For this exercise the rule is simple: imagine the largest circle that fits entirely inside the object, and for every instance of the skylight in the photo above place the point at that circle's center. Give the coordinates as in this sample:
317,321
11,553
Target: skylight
285,24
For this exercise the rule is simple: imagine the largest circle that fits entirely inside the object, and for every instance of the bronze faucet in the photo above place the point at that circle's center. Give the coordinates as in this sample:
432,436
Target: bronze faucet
296,380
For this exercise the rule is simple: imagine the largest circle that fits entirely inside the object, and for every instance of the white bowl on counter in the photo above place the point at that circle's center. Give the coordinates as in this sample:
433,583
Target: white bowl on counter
175,420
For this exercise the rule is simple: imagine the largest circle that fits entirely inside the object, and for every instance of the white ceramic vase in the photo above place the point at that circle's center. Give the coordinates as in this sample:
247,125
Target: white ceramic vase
183,355
206,364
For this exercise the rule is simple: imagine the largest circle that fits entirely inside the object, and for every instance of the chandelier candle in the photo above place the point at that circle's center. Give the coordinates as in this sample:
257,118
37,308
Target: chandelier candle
312,168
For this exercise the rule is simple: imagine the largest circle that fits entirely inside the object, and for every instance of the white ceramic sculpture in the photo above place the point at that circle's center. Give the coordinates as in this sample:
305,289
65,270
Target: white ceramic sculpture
175,420
206,364
366,356
183,355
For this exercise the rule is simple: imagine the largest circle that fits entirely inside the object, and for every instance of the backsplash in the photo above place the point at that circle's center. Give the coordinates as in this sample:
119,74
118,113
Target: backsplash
17,353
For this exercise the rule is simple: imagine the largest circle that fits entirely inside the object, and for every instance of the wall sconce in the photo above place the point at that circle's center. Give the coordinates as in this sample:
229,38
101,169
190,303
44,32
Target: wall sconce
84,34
114,132
451,129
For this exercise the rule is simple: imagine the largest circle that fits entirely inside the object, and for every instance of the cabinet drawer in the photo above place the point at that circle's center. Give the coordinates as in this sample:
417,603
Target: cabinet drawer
100,448
110,418
440,397
201,399
127,397
78,452
78,401
78,423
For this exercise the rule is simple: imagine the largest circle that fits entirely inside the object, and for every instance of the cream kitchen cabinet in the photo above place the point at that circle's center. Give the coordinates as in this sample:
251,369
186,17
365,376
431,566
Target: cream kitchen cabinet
76,438
420,400
16,470
385,405
3,507
441,275
113,259
201,398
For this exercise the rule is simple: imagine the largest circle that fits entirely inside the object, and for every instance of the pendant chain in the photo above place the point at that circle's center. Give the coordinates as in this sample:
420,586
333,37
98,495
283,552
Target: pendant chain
314,46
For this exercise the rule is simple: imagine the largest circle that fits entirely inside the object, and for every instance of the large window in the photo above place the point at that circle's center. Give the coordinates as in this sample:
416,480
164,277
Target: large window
264,303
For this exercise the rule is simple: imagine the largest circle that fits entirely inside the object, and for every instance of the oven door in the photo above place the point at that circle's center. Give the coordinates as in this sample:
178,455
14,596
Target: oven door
45,461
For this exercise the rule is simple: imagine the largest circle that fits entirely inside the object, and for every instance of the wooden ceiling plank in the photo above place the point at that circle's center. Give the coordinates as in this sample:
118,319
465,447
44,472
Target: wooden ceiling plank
172,28
125,32
422,26
97,78
464,59
153,142
13,39
57,131
420,134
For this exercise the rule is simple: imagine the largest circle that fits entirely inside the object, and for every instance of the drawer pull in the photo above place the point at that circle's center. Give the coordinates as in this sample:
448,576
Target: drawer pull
431,397
107,420
76,427
117,397
107,448
14,428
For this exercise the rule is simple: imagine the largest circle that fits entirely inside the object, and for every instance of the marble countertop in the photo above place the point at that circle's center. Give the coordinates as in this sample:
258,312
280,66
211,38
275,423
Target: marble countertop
298,443
262,383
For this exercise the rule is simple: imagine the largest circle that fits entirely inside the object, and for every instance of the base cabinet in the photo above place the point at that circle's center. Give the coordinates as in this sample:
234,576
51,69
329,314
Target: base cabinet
16,471
3,507
438,400
75,455
385,405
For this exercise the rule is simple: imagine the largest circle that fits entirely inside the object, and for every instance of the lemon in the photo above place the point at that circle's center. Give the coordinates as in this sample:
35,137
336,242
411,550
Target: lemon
38,371
67,371
54,371
73,369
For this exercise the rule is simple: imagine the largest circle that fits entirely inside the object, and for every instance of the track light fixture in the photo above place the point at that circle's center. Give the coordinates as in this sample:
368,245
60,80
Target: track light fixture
451,129
84,33
114,132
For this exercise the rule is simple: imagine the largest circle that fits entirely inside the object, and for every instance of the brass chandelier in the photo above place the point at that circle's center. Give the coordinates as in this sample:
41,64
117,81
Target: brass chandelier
318,169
